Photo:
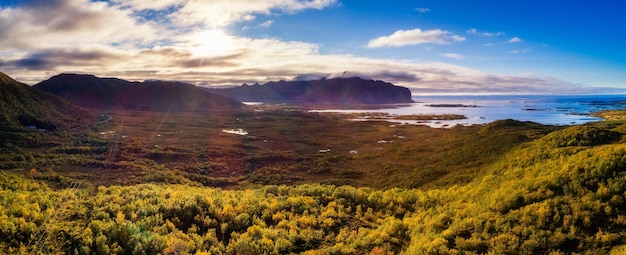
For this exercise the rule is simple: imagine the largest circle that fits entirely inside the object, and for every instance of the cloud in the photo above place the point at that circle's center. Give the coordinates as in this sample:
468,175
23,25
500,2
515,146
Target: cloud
520,51
117,39
414,37
50,24
58,59
266,23
384,75
453,56
309,77
127,23
387,75
32,63
474,31
147,4
515,40
218,61
225,12
422,10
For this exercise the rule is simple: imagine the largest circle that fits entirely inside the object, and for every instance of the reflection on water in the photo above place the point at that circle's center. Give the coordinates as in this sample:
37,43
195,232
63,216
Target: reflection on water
549,110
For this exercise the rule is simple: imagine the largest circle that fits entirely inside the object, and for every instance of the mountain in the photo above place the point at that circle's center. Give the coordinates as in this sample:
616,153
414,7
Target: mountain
22,105
326,91
111,93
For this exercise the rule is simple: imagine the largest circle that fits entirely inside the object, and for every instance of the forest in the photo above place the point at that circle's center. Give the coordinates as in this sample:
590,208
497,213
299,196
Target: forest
143,184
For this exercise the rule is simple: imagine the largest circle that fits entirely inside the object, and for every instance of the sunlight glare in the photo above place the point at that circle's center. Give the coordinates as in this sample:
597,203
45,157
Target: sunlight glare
213,42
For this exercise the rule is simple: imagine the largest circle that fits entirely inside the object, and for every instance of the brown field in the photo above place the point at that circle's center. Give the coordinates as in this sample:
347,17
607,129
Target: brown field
283,146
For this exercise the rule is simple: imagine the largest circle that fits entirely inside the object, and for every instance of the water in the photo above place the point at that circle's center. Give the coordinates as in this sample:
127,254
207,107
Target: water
548,110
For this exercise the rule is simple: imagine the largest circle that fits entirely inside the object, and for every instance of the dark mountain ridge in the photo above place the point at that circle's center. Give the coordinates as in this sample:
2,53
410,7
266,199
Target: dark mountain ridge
112,93
326,91
23,106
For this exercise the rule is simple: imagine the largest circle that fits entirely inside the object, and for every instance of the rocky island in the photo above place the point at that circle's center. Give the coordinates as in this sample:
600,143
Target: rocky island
325,91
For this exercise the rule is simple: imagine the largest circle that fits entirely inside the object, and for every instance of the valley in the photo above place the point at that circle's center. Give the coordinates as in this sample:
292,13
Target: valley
280,179
310,183
312,127
282,146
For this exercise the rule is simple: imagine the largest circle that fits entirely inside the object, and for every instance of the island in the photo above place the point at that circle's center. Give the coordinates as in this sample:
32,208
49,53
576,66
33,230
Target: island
339,91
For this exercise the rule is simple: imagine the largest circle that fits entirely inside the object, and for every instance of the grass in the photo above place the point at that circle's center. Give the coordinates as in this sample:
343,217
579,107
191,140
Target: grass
508,187
282,147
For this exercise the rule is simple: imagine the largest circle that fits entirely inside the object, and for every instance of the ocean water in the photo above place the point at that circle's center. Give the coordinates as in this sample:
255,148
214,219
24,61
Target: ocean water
544,109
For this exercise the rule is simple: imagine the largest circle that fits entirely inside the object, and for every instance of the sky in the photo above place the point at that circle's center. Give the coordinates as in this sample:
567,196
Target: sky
429,46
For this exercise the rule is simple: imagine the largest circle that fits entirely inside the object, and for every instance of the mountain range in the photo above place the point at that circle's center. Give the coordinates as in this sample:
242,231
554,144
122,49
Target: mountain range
23,106
55,100
325,91
112,93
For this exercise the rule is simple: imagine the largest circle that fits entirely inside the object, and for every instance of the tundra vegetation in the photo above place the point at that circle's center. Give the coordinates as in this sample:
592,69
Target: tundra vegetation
175,183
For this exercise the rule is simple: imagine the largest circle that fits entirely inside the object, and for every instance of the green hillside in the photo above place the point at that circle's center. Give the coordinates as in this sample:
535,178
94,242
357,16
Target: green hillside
559,193
22,106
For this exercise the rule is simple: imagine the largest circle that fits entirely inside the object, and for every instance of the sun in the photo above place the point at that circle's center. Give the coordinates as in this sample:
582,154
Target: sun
212,42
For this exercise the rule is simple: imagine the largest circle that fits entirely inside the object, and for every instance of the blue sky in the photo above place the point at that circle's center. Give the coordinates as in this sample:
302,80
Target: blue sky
430,46
556,35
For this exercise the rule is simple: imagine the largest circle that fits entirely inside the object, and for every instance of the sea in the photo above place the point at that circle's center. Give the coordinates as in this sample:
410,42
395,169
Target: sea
483,109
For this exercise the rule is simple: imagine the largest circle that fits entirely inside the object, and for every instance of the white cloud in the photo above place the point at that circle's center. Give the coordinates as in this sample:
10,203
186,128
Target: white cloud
266,23
225,12
519,51
40,24
515,40
263,60
453,56
147,4
457,38
413,37
422,10
110,39
474,31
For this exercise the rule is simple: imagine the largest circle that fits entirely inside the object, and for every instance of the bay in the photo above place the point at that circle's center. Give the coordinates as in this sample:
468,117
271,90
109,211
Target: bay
482,109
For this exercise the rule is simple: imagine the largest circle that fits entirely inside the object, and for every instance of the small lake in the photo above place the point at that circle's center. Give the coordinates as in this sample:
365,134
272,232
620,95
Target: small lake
544,109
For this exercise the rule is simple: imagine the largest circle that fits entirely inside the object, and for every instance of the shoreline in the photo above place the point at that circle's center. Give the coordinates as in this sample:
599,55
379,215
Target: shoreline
609,115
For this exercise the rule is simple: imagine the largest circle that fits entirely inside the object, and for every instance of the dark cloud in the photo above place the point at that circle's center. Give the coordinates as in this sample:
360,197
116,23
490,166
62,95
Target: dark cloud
77,55
51,59
185,59
28,63
32,63
222,61
396,76
309,76
384,75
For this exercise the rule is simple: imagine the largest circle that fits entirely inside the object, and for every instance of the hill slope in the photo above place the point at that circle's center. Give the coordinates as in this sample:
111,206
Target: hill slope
111,93
330,91
22,105
562,193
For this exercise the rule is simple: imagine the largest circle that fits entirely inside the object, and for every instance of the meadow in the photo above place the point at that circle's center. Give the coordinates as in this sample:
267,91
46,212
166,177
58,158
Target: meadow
307,183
